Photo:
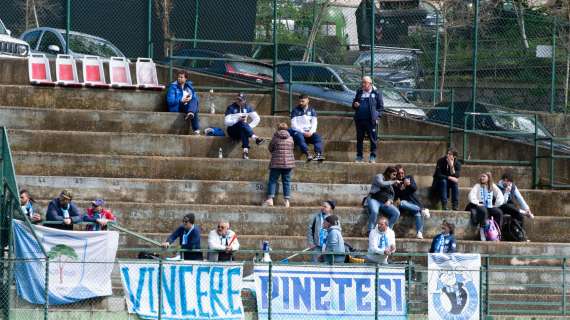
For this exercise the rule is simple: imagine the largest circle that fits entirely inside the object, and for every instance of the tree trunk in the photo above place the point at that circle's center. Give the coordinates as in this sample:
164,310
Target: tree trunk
519,11
35,14
444,64
315,30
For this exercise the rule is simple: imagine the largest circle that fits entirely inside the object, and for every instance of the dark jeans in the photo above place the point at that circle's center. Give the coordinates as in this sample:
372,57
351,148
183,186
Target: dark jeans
195,122
241,130
302,142
442,187
365,127
512,210
482,214
285,179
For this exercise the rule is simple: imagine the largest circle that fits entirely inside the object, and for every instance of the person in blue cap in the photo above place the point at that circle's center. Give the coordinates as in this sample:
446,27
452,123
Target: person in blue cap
236,117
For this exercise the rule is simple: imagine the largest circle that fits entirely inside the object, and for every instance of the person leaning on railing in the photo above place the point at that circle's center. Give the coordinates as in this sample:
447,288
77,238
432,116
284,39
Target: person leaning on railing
189,235
316,233
62,209
98,215
222,242
445,241
26,202
334,245
381,242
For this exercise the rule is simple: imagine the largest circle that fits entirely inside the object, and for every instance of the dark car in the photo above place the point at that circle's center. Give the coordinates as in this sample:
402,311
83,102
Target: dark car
225,65
499,119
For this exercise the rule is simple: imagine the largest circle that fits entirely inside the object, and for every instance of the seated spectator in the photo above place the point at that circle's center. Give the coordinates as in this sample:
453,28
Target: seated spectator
303,129
485,198
189,235
181,97
381,242
511,194
26,202
334,245
281,164
316,233
224,241
98,215
381,198
445,241
405,191
236,122
445,177
62,209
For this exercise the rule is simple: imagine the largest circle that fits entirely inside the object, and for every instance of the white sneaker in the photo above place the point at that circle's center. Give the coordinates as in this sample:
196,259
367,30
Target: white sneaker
286,203
425,213
268,203
197,132
419,235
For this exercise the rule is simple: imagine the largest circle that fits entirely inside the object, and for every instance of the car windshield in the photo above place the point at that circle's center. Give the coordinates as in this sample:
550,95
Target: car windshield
520,123
2,28
398,61
92,46
350,78
393,94
252,68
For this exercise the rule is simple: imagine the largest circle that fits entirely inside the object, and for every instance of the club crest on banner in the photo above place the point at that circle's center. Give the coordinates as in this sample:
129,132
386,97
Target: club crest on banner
65,260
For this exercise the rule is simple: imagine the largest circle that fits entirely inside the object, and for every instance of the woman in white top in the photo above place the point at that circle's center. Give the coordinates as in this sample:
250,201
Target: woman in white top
485,198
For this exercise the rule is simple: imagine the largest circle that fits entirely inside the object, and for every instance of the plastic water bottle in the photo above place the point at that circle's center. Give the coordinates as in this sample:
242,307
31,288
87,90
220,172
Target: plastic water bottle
211,101
220,153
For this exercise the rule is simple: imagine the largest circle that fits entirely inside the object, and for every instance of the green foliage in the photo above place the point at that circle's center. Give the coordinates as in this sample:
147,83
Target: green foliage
62,250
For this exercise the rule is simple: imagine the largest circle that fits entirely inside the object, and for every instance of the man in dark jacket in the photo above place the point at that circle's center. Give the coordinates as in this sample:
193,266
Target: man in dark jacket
237,126
61,209
405,193
368,106
181,97
189,235
445,177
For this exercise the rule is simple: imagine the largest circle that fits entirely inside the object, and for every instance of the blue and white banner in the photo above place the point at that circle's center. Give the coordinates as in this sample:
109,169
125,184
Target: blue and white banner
190,290
330,292
80,263
453,286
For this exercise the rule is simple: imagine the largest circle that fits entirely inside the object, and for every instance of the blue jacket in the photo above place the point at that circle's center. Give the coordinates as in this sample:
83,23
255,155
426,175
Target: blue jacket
408,193
443,244
174,95
193,241
55,213
376,103
335,244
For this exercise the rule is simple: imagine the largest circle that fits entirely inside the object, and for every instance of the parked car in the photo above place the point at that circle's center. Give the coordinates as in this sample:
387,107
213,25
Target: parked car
11,47
398,66
290,52
339,85
501,119
51,42
213,62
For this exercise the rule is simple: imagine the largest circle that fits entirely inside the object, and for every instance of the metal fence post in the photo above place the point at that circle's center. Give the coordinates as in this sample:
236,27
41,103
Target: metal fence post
487,304
159,284
149,30
409,292
269,289
475,53
275,57
536,155
46,293
451,116
436,66
481,287
196,16
372,37
553,76
67,25
564,286
290,89
376,277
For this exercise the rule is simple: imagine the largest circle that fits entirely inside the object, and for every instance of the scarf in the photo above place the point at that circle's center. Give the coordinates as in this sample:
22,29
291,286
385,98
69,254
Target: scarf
185,236
486,197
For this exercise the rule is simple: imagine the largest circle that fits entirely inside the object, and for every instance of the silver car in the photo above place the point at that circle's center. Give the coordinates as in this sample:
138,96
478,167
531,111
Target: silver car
51,42
11,47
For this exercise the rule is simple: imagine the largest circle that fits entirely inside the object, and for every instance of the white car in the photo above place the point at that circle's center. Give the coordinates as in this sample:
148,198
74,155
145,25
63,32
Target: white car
12,47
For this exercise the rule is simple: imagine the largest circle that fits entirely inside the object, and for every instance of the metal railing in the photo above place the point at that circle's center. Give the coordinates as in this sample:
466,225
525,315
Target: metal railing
551,158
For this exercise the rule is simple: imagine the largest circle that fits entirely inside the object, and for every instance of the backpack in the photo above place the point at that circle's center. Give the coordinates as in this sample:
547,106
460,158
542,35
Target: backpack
492,231
513,231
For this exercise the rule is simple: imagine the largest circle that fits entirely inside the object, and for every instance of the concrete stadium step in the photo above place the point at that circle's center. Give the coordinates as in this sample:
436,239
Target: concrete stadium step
543,202
200,146
257,220
157,167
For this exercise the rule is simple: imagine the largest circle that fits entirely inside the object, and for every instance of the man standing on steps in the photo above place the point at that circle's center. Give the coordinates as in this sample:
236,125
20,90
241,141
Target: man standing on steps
445,177
236,122
316,234
368,106
61,209
181,97
303,129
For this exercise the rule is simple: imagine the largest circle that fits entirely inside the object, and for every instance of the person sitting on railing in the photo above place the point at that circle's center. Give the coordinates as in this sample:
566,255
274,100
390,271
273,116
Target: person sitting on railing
368,107
334,245
236,122
407,201
303,129
381,242
511,194
98,215
445,177
62,209
445,241
485,198
26,202
223,242
189,235
181,97
316,233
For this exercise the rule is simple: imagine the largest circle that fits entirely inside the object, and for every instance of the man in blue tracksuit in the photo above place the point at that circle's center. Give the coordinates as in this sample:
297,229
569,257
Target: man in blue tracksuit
238,128
181,97
368,106
303,129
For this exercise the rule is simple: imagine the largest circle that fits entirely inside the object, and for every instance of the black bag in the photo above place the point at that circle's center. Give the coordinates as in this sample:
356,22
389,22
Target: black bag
513,231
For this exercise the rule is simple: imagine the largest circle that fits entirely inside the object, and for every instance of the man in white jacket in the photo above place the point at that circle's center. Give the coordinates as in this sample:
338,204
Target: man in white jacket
381,242
236,117
222,242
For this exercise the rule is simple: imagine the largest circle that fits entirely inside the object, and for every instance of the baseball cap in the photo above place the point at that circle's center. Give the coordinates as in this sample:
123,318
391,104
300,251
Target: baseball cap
98,202
66,193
